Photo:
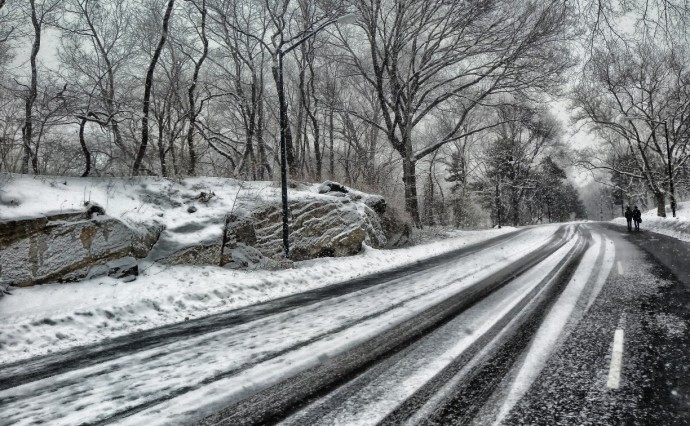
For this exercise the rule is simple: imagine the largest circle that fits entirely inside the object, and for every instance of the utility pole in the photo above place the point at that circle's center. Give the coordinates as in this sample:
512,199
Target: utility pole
343,19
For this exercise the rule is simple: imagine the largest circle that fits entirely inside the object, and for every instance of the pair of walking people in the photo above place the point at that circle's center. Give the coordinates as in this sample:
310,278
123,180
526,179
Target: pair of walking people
633,215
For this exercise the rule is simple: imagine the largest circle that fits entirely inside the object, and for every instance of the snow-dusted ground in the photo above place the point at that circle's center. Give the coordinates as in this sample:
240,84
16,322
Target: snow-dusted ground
678,227
218,367
41,319
433,353
55,317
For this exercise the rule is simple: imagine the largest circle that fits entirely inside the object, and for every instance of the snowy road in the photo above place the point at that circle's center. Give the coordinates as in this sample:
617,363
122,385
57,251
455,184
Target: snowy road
464,337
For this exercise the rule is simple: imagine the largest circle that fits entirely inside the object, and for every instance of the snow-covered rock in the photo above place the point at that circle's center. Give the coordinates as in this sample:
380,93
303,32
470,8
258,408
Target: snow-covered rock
319,226
61,247
330,186
62,229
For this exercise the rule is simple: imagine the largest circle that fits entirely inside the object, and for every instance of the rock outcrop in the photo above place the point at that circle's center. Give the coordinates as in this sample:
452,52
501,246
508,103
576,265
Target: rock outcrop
318,227
61,247
395,226
330,186
331,220
126,268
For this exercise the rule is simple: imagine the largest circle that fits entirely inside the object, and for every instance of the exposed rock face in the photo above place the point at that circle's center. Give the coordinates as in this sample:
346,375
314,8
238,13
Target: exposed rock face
238,246
89,243
144,238
202,253
125,268
376,203
186,245
396,228
59,247
318,227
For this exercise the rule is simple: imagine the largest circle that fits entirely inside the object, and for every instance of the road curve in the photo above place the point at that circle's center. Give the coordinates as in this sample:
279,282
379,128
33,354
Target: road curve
546,325
132,380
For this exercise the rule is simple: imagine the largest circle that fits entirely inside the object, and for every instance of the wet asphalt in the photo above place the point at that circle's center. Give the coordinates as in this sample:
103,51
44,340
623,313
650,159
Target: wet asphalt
274,404
647,295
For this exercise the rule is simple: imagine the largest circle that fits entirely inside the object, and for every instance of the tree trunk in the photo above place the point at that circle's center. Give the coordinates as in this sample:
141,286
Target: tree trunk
660,203
372,149
442,209
299,126
429,201
161,149
515,204
498,203
410,183
173,157
317,144
314,119
85,150
147,90
263,158
331,159
27,131
548,211
190,94
110,101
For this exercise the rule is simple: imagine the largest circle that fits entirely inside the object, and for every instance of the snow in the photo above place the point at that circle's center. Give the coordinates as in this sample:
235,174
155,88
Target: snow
381,395
136,201
678,227
227,365
553,329
215,368
55,317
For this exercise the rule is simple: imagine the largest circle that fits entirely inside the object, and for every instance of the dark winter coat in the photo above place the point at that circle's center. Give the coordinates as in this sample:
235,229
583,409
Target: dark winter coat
628,214
637,215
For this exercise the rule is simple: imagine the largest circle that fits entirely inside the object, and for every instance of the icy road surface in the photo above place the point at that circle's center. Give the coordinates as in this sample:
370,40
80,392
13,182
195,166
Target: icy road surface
460,339
159,385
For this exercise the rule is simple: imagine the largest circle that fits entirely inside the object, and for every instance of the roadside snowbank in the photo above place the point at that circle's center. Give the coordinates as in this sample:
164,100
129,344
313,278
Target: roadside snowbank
55,317
678,227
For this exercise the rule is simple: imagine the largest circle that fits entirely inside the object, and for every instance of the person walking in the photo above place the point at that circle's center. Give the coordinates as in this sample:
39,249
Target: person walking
637,218
628,217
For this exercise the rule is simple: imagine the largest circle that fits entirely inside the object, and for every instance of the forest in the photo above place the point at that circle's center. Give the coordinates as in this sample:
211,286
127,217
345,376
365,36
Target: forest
448,108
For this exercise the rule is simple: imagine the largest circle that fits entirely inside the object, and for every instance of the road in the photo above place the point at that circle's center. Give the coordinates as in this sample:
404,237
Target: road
572,324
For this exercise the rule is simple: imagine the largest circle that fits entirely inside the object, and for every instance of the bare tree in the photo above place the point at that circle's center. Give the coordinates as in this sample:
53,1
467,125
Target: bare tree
193,110
40,13
94,49
8,29
148,85
425,56
636,94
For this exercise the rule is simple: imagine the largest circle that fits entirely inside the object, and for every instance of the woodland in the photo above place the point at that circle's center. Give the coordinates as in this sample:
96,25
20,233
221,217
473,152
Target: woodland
459,112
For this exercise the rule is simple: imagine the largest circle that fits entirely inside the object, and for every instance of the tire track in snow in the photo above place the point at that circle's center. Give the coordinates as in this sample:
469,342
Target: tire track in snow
411,375
277,402
128,406
25,371
545,341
